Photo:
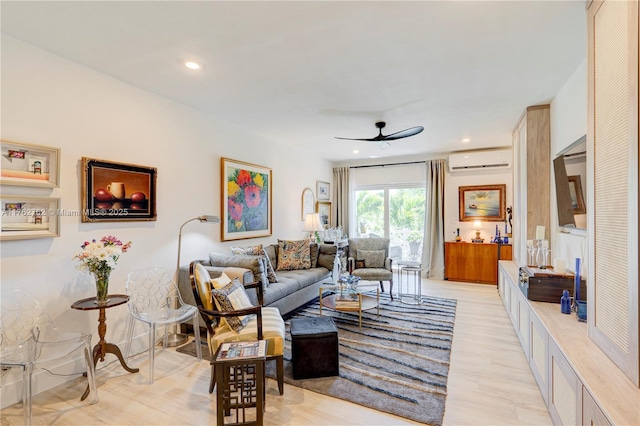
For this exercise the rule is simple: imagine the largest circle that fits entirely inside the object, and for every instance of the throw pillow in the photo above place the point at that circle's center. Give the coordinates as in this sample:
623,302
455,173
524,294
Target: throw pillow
256,264
359,264
232,297
258,250
372,258
221,281
313,253
294,254
326,256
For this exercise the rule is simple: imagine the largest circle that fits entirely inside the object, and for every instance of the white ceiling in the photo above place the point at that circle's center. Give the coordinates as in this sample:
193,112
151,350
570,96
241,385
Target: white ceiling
303,72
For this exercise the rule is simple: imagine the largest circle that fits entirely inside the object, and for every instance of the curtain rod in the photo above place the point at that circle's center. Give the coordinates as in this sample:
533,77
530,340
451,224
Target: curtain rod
389,164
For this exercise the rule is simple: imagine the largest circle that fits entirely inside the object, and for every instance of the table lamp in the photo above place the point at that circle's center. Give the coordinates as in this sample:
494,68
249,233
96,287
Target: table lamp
477,225
312,225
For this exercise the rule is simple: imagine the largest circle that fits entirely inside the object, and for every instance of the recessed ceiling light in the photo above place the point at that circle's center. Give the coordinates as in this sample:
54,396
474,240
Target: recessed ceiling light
355,151
466,140
192,65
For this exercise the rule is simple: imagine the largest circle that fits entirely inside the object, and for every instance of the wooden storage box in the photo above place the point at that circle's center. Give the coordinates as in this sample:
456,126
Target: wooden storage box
545,286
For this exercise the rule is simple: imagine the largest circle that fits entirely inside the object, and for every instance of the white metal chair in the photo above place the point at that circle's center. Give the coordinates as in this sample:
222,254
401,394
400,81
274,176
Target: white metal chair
28,339
154,300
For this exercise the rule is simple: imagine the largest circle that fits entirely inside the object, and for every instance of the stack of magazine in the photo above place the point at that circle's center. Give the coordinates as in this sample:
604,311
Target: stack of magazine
347,300
242,350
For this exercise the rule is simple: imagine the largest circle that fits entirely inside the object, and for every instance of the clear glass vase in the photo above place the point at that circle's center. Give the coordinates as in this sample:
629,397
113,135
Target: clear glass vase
102,286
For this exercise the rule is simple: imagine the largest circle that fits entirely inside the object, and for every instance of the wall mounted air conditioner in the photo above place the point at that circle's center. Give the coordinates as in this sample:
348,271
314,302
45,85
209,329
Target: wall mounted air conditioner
480,160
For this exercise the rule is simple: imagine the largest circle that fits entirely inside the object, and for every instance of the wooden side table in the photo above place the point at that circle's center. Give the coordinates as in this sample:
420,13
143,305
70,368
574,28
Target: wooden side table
240,382
102,347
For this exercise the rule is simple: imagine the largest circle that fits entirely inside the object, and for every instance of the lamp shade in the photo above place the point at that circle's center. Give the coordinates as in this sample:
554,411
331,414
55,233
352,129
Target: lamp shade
477,224
312,222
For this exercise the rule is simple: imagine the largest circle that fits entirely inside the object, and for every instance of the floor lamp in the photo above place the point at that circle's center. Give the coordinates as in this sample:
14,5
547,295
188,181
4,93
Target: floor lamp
175,338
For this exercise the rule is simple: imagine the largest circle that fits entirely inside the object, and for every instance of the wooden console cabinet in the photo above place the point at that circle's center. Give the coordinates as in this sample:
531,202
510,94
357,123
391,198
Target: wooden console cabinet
474,262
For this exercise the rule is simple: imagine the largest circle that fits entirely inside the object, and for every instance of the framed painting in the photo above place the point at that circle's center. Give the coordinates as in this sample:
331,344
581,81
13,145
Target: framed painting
29,165
246,200
308,202
323,208
577,199
25,217
323,190
482,202
117,192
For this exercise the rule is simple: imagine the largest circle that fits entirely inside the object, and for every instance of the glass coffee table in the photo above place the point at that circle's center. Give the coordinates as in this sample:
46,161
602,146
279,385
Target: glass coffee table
345,298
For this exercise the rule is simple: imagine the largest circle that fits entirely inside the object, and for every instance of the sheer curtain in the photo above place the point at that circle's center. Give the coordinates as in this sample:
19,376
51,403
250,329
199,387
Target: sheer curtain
433,247
341,197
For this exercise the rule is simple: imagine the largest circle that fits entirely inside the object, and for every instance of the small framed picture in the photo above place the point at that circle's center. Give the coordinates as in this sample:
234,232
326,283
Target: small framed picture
29,165
323,190
25,218
323,208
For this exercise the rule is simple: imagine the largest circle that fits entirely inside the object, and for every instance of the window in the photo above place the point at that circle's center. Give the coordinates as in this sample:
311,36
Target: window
396,213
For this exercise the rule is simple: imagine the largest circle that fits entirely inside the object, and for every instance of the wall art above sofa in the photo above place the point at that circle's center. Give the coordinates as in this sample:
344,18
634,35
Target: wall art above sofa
246,200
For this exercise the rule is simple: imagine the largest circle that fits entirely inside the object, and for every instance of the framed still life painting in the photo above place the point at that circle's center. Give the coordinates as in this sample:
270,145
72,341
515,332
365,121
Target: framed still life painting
117,192
246,200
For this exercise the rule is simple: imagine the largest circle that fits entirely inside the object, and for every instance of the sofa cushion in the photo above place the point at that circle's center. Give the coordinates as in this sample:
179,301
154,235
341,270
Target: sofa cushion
294,254
232,297
273,331
372,258
257,264
258,250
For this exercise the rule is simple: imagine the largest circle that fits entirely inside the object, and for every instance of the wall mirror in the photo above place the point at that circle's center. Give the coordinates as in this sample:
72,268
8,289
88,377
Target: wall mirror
570,174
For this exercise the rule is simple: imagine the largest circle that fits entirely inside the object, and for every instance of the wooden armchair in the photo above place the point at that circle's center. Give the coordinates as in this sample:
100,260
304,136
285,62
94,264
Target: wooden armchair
369,259
266,324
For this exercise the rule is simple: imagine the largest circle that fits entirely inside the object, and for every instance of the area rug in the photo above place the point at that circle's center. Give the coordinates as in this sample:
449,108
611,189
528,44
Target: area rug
397,363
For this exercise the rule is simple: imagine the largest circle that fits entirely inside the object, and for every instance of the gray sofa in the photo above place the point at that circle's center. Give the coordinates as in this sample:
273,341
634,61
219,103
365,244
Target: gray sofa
293,288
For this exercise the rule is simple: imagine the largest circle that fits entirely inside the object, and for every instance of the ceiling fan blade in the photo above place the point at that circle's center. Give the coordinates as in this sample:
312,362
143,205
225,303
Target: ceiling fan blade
403,133
357,139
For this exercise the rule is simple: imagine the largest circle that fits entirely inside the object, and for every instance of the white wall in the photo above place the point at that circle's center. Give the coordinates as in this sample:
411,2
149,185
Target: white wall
451,208
51,101
568,123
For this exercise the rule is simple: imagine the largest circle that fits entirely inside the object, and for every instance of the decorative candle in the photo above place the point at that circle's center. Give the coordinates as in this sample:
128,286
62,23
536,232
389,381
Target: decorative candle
545,244
529,243
539,232
559,266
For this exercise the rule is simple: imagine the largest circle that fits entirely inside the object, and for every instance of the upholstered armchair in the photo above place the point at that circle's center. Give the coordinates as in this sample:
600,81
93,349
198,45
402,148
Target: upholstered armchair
369,259
262,322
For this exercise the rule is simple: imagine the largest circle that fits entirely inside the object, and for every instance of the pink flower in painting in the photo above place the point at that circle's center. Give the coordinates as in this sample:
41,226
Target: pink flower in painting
252,196
244,178
235,210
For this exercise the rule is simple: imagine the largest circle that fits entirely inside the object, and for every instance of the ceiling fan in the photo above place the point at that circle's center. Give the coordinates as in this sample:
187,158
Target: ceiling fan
383,139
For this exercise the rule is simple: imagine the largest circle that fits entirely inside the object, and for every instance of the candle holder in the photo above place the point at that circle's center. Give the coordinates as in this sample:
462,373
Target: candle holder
541,255
531,250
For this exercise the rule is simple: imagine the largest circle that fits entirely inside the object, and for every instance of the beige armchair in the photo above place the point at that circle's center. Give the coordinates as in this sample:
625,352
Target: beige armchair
369,259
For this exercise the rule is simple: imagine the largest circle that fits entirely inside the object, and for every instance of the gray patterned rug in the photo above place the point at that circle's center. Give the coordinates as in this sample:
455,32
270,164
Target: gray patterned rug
398,363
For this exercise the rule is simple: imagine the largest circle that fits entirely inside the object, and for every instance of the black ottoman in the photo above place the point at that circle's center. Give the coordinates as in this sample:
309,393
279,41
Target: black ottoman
314,347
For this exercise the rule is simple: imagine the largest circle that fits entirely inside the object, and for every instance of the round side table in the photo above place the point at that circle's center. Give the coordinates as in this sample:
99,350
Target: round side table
102,347
408,275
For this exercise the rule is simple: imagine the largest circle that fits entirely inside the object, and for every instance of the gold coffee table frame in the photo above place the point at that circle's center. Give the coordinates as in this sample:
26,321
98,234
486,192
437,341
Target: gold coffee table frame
365,302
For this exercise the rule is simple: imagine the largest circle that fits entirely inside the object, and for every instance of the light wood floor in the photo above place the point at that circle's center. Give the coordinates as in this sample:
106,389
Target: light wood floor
489,383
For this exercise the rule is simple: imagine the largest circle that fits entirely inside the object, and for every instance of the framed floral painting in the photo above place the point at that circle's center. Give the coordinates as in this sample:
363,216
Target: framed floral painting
246,200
